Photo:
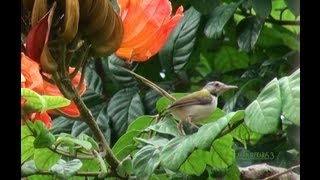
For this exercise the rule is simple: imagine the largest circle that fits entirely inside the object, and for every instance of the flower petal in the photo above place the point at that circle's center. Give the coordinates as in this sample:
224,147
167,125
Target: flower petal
30,70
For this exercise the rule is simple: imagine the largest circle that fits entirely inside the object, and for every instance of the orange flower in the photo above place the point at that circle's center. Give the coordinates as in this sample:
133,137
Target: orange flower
33,80
147,25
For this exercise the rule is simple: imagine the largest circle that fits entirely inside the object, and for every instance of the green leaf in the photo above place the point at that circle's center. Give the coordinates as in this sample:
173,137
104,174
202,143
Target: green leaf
217,114
124,152
29,168
44,139
262,115
140,123
164,102
294,6
248,31
85,137
39,126
124,141
196,163
124,107
65,169
156,141
40,177
239,115
228,59
44,158
218,19
208,132
122,77
145,161
166,126
176,152
245,135
204,6
149,100
125,167
34,102
54,102
27,148
290,95
69,140
222,155
25,131
233,173
177,50
262,7
89,165
179,148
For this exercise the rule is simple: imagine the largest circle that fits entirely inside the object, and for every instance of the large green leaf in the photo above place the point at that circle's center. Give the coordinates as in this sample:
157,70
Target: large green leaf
70,140
140,123
196,163
145,161
44,139
54,102
248,31
228,59
166,126
178,48
208,132
262,7
124,107
175,153
262,115
124,142
270,37
44,158
290,95
122,77
150,99
204,6
27,148
218,19
222,155
34,101
65,169
245,135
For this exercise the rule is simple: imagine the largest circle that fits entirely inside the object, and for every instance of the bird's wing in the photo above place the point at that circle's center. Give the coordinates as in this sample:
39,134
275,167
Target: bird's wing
196,98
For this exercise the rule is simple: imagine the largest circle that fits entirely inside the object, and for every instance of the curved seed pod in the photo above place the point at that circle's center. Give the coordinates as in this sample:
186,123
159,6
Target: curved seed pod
71,20
112,43
106,30
47,62
40,8
97,16
85,7
28,4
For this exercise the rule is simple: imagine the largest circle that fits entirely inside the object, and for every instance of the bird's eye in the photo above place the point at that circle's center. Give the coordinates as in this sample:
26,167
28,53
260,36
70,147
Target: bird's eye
217,85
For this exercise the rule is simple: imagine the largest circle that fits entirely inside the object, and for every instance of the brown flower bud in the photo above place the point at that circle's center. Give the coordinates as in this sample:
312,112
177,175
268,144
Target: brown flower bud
71,20
40,8
47,62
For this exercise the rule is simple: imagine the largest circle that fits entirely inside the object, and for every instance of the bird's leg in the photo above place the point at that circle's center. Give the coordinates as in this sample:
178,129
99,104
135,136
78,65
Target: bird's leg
180,128
188,119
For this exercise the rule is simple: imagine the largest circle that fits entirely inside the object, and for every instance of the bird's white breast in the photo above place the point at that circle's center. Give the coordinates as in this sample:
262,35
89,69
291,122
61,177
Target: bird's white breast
196,112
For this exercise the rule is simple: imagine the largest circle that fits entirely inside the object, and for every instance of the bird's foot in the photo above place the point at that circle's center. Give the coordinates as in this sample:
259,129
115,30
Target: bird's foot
180,128
190,122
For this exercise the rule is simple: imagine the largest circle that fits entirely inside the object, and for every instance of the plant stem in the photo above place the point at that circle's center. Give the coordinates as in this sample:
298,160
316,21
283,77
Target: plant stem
90,121
229,129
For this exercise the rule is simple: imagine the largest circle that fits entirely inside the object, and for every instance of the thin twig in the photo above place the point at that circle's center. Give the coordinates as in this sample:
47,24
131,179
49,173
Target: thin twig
151,84
282,173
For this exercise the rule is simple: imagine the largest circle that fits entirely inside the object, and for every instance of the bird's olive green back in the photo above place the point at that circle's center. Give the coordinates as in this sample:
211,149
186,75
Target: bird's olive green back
197,98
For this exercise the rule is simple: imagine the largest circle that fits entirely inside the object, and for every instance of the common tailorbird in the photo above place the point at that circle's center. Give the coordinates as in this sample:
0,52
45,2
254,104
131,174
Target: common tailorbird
198,105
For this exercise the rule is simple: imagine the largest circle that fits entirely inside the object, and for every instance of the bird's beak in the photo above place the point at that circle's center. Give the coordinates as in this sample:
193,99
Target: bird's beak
227,87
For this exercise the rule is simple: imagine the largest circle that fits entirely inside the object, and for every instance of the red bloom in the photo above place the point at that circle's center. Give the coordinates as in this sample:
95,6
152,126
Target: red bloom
147,25
30,70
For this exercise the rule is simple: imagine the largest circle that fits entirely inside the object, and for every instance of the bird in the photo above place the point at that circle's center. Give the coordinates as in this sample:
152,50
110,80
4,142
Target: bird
197,105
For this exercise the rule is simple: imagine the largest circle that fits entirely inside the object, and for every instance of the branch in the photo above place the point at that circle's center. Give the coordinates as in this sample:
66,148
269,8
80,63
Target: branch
267,172
272,20
229,129
282,173
151,84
